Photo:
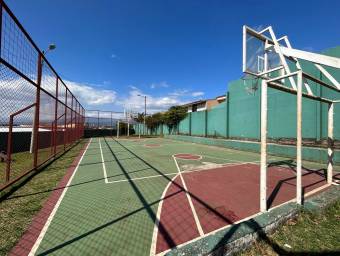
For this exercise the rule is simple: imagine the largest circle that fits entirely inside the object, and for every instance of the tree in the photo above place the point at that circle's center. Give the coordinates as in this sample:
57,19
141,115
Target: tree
139,118
155,120
174,115
171,118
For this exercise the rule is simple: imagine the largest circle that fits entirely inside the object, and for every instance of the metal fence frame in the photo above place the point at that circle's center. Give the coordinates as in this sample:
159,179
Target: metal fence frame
68,122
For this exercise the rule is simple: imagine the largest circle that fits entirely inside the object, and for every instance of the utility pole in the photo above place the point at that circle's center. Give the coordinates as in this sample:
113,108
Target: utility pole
144,110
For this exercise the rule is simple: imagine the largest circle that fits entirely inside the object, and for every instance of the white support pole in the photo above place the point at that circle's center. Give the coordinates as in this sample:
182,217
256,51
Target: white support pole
330,142
117,129
139,130
244,50
281,56
263,172
33,136
128,128
299,140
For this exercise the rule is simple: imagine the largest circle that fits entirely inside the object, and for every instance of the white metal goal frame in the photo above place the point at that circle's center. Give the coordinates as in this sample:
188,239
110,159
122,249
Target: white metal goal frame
277,64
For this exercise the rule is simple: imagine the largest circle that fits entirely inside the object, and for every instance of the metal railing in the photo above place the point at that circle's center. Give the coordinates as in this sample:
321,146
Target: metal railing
39,116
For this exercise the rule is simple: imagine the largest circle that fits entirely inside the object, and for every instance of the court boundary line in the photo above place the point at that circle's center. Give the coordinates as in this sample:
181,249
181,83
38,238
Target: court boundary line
103,162
143,178
56,206
158,216
194,213
189,171
164,144
308,194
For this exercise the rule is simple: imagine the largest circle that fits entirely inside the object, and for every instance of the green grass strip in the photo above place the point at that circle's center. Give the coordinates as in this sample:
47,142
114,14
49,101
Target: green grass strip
18,209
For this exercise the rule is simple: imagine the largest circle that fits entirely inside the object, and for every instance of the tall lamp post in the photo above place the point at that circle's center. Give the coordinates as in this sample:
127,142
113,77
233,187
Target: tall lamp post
34,133
144,110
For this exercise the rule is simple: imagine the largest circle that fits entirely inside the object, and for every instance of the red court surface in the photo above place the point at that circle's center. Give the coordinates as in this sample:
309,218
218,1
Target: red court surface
222,196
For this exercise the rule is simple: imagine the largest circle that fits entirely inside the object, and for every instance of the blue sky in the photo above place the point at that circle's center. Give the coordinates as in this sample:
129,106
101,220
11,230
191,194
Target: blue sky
173,51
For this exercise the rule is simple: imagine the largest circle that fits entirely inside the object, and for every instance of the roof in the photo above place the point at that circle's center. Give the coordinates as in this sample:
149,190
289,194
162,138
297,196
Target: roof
194,102
221,97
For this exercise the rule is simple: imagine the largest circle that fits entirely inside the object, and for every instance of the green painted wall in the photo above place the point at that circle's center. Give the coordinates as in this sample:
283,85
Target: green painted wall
330,93
244,108
198,120
239,116
217,121
184,125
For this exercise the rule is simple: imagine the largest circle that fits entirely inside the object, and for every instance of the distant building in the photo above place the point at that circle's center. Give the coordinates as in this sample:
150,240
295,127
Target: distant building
202,105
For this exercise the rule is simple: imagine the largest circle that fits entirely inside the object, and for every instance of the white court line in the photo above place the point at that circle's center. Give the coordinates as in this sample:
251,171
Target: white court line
242,220
207,234
142,178
103,162
165,144
222,165
198,224
158,216
49,220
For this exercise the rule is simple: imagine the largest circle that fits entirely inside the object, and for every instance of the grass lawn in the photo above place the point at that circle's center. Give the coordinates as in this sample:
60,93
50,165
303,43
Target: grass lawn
312,233
22,162
17,210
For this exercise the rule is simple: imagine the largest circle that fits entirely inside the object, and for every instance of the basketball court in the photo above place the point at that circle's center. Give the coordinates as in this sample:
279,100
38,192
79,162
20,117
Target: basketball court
123,197
132,196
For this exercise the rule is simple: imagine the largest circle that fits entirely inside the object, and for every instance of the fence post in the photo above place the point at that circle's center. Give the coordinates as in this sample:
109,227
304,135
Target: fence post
190,124
97,119
37,113
65,121
118,129
9,149
206,123
71,131
227,113
56,118
79,120
111,124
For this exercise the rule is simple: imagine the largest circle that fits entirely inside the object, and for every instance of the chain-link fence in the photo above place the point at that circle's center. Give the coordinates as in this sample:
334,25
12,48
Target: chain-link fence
39,115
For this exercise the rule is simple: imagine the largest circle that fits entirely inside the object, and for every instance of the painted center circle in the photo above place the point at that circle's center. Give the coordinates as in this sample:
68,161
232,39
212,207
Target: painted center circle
188,156
152,145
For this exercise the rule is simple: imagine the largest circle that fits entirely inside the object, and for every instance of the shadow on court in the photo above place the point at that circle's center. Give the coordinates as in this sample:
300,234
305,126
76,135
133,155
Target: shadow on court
148,206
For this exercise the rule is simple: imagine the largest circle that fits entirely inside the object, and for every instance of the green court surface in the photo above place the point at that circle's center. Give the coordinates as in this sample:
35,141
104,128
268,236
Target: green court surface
110,206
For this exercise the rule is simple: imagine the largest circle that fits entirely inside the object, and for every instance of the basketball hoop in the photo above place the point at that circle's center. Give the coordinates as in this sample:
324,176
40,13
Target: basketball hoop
250,82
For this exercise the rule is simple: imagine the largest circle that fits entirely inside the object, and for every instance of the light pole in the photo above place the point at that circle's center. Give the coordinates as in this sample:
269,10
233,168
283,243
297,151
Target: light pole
144,111
51,47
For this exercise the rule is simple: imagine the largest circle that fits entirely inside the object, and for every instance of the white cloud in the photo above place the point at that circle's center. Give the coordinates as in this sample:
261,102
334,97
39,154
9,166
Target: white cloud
18,94
159,85
153,103
197,94
89,95
180,92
